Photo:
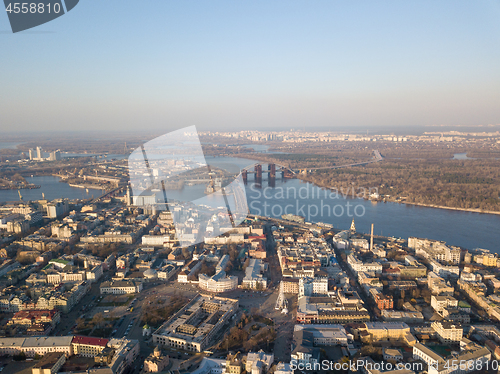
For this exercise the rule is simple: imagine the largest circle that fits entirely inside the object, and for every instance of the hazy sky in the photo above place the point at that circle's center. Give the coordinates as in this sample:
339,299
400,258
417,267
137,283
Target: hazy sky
221,65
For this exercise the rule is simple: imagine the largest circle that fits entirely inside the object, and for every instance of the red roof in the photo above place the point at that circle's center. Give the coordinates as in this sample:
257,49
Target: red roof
36,313
259,237
391,270
87,340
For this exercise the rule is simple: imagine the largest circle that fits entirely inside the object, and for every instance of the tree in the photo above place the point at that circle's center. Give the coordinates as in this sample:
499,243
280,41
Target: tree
247,262
186,254
98,319
80,324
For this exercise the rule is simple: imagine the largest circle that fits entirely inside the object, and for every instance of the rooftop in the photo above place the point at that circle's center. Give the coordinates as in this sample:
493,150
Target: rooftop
87,340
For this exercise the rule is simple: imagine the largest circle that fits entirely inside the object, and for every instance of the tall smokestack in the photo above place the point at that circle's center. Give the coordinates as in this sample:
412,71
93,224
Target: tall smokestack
371,240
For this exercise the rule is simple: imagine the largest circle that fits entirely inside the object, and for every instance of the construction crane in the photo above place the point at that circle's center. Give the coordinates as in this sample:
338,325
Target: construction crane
20,196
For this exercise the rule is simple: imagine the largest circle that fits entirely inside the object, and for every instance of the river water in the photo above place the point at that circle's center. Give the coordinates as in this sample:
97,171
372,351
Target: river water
9,145
51,187
465,229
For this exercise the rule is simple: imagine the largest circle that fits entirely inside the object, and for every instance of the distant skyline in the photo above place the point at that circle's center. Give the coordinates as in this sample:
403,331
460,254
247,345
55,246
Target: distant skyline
227,65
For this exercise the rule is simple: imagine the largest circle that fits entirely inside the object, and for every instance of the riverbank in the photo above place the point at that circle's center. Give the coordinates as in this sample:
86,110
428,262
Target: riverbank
22,187
472,210
452,208
86,186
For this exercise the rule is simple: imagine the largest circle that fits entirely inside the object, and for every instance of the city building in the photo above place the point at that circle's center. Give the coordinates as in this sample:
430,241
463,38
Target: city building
391,354
448,332
290,285
357,265
387,331
325,335
445,271
50,363
32,317
304,354
87,346
234,363
194,326
219,282
433,249
384,301
470,357
120,287
283,368
36,345
330,310
439,303
313,286
156,361
253,275
402,316
258,362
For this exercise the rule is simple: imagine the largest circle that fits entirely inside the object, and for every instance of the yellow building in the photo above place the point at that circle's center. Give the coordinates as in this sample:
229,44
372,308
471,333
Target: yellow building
88,346
50,363
392,331
234,364
156,361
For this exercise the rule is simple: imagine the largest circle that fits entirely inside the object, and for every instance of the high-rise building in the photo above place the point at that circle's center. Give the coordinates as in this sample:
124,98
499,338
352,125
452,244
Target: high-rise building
39,153
55,156
57,208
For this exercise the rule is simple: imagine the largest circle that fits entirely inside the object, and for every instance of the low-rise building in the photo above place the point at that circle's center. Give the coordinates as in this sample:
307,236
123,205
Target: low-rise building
402,316
258,362
325,335
120,287
156,361
87,346
219,282
234,363
253,278
304,353
391,354
290,285
387,331
439,303
313,286
195,326
448,332
50,363
470,358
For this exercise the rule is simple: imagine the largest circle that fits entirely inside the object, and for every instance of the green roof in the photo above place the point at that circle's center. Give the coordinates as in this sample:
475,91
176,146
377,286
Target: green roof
463,304
60,261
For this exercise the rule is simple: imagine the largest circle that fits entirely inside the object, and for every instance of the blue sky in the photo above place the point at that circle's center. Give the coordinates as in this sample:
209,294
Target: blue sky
222,65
